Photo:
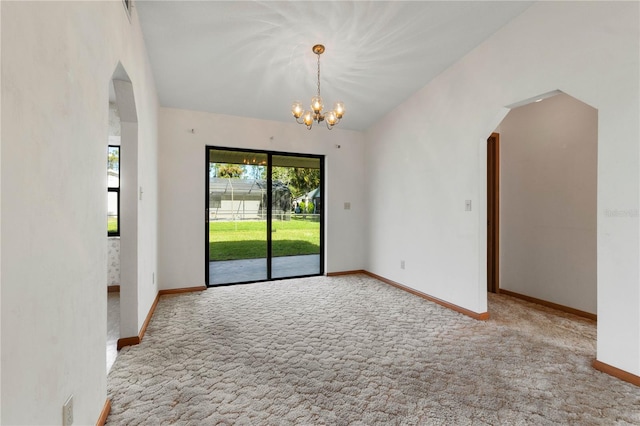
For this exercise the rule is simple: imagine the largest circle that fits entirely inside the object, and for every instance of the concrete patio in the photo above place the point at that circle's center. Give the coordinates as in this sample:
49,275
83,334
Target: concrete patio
247,270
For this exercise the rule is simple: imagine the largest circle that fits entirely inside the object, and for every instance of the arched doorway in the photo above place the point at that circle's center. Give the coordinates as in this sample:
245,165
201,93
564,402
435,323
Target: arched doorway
545,195
123,100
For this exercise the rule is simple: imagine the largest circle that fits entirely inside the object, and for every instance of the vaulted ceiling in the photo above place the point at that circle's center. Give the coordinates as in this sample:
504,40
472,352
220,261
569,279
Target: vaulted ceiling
254,58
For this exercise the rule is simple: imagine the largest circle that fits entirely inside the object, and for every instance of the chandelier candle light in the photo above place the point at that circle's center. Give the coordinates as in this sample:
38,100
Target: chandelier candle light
308,117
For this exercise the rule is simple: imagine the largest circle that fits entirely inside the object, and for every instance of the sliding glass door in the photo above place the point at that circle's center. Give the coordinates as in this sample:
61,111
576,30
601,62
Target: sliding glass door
237,219
296,211
264,216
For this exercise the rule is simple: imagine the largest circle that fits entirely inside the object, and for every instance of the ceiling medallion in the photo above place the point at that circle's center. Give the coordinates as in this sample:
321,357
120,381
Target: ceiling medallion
307,118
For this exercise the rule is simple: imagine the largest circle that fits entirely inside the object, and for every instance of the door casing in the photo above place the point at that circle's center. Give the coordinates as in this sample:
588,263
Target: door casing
493,213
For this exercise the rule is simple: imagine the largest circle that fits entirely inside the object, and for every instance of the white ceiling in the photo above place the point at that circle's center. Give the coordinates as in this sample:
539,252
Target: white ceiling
254,58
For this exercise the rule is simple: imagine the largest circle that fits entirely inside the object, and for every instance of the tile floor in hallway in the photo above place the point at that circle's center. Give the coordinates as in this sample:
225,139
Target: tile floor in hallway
113,327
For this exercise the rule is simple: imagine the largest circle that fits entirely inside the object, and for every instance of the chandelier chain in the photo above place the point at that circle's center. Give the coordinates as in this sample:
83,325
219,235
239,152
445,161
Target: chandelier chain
318,75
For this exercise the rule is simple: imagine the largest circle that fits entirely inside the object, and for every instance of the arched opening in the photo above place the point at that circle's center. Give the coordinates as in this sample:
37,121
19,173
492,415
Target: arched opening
125,259
546,204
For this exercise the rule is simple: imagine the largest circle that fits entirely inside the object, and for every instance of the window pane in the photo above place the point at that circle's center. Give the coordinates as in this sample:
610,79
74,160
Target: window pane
237,216
113,167
112,213
296,206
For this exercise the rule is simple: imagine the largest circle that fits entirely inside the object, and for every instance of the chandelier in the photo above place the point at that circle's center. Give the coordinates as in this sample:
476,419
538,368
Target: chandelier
307,118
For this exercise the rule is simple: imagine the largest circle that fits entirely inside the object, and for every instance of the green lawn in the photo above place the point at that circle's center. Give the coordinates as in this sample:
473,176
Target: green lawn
248,240
112,224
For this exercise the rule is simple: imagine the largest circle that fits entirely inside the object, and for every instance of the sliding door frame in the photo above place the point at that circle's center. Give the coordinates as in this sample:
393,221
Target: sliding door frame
270,154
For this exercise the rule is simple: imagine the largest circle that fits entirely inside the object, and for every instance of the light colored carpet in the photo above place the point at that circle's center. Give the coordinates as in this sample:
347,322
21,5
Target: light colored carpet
353,350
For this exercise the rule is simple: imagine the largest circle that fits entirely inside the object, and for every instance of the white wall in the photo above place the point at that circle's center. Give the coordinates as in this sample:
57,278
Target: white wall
129,231
57,63
0,225
182,173
548,202
436,141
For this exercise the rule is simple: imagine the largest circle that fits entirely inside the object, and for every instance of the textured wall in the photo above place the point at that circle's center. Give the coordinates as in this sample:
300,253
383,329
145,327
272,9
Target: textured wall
114,122
56,69
436,141
182,186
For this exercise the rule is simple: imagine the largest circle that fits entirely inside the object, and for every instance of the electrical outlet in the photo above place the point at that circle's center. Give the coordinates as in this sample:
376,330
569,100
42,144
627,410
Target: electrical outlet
402,264
67,412
467,205
347,205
